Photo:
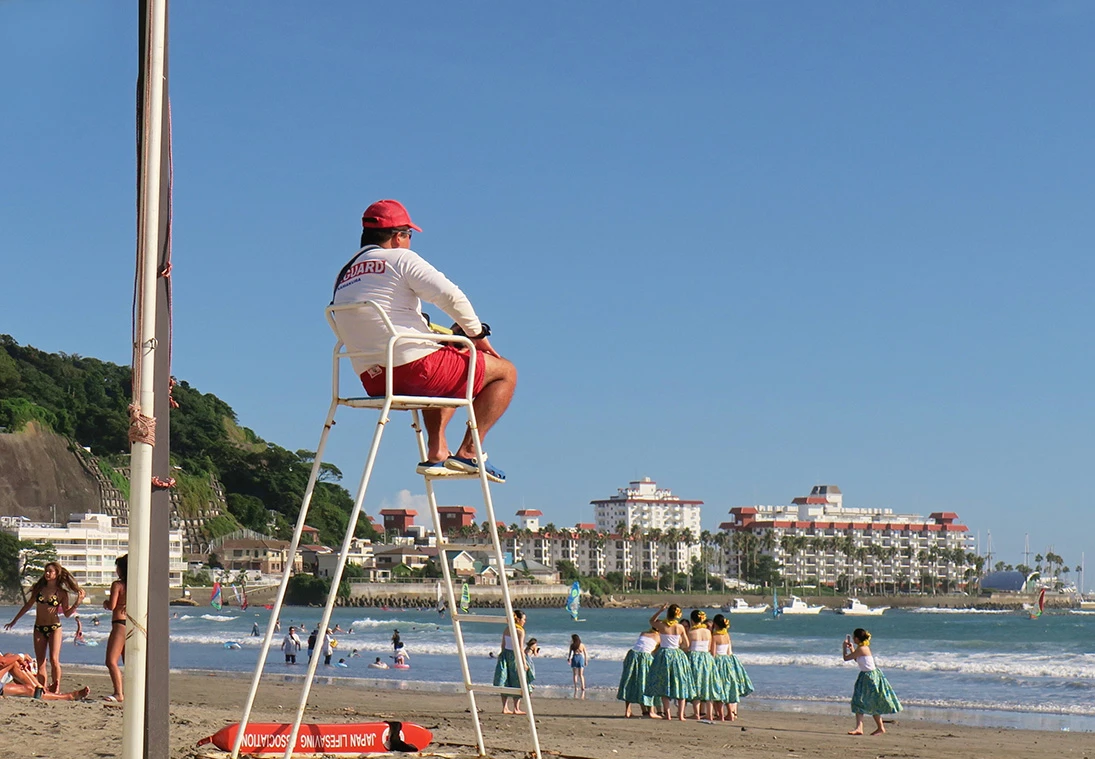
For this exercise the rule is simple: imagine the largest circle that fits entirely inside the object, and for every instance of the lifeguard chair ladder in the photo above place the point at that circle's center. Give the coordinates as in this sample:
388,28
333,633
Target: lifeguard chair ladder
386,404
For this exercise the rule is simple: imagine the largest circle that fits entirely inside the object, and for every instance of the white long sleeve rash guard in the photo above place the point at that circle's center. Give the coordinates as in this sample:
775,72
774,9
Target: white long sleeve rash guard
397,280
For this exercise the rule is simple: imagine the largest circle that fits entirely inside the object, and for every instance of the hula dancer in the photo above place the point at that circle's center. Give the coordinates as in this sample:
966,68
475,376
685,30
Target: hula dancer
733,679
873,694
636,674
706,689
512,657
670,673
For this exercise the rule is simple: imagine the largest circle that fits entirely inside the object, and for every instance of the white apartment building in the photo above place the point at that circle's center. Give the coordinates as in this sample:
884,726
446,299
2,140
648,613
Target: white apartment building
817,540
88,545
644,505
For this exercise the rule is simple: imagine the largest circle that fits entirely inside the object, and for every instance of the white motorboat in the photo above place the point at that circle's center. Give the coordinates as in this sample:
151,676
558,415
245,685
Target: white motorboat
741,606
798,606
856,608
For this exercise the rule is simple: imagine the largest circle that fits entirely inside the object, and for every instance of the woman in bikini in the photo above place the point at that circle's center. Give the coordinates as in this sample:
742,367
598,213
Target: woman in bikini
52,593
115,644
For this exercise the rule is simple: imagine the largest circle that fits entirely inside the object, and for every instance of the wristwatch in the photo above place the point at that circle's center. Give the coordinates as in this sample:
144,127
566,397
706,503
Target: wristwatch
484,333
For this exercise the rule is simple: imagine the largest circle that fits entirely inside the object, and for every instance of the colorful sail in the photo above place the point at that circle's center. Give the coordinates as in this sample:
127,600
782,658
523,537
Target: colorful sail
465,598
1041,605
243,592
215,599
574,600
776,611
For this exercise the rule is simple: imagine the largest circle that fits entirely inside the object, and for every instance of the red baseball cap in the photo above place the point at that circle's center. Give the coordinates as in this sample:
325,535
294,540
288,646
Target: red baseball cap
385,214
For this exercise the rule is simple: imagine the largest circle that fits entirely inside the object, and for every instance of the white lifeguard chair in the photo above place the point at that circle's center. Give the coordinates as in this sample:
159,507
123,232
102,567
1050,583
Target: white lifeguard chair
391,402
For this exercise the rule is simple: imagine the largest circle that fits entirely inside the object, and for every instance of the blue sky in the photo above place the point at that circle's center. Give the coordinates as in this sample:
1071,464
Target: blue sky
741,248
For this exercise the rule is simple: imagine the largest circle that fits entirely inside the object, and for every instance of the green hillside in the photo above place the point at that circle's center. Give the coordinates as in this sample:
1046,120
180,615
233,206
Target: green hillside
86,399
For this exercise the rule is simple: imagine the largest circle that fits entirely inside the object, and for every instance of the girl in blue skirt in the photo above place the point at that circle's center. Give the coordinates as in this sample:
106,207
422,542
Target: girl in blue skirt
636,673
506,671
734,682
873,694
670,672
705,691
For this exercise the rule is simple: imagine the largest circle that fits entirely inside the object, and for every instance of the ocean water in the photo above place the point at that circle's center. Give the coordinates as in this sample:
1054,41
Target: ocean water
981,668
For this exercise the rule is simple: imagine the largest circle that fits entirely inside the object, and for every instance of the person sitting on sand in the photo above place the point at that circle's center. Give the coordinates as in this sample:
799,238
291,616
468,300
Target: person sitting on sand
16,680
873,694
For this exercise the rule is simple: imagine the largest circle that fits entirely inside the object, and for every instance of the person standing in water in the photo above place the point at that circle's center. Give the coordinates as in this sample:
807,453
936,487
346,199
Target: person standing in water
872,694
115,644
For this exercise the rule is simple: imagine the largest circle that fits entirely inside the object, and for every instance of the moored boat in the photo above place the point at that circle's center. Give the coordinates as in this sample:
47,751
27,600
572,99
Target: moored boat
856,608
798,606
741,606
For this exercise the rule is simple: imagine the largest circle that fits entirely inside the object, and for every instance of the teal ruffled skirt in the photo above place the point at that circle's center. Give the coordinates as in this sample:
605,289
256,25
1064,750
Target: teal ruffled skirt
634,678
733,679
530,670
705,684
670,675
505,670
873,695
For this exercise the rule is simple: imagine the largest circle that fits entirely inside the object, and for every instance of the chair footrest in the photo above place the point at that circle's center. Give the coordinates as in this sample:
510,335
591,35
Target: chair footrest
403,402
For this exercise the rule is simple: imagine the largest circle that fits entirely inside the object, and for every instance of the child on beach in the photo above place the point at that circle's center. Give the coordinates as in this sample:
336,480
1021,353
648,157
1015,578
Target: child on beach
670,673
532,650
577,656
636,673
52,593
873,694
506,672
115,643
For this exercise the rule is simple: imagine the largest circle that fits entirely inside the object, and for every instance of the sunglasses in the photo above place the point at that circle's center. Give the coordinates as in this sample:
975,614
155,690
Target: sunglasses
408,232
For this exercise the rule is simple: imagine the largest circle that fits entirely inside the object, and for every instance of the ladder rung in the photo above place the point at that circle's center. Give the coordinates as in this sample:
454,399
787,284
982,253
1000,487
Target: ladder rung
495,689
403,402
465,546
496,618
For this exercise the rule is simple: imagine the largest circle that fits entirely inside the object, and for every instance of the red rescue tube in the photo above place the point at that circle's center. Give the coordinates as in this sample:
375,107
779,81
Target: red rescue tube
268,738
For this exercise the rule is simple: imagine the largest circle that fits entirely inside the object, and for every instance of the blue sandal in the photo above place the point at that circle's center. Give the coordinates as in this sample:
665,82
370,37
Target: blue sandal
471,466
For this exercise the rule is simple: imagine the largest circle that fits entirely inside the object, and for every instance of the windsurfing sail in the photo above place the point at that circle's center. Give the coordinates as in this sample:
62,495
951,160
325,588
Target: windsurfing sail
440,602
239,598
776,611
243,592
1040,606
574,600
215,599
465,598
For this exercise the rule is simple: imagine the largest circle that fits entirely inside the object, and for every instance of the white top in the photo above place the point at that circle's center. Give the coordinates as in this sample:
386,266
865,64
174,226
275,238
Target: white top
671,641
507,642
722,649
397,280
700,645
866,663
291,644
645,644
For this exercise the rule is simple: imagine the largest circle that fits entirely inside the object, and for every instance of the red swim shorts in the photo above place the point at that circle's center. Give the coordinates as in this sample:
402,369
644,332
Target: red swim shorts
442,374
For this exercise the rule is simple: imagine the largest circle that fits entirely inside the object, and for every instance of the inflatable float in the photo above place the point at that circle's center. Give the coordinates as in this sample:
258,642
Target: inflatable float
232,645
346,738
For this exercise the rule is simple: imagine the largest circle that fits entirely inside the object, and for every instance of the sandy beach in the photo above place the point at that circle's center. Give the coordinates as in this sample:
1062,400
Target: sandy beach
202,704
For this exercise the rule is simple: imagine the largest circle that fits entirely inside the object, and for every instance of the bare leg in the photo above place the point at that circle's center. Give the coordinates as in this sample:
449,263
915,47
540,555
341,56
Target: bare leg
680,709
41,645
696,710
55,639
858,726
665,708
878,722
505,705
435,420
499,382
627,710
115,649
517,706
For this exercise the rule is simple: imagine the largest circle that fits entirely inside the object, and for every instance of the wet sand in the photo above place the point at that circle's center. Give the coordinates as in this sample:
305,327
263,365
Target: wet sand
202,704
